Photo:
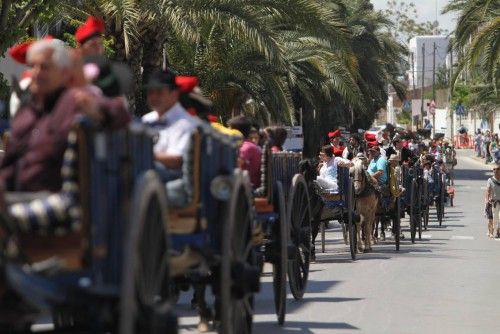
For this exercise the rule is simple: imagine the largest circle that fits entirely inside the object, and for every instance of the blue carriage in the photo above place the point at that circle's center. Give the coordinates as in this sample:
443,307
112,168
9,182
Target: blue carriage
105,273
339,206
212,231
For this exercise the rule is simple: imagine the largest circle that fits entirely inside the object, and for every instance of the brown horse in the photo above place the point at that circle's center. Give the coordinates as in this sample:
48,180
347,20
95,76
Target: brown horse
366,204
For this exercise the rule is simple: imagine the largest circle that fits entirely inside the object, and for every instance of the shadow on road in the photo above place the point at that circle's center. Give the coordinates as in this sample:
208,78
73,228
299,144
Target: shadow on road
471,174
300,326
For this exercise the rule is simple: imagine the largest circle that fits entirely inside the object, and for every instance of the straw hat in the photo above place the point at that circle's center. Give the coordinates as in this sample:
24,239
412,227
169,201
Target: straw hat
394,157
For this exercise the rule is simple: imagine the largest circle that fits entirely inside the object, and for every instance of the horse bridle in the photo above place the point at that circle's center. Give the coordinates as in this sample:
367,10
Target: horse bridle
366,190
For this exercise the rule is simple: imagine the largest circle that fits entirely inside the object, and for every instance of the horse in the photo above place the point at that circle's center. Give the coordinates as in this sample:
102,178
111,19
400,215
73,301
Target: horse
366,201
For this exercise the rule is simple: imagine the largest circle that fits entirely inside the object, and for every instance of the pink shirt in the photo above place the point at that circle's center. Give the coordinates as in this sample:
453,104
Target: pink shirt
250,154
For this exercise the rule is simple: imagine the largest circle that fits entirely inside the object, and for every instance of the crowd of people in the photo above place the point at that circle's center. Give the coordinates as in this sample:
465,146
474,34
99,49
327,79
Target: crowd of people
486,146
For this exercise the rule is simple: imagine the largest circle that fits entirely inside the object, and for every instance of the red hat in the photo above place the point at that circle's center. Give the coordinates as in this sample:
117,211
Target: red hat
370,136
212,118
92,27
372,143
19,51
334,134
186,83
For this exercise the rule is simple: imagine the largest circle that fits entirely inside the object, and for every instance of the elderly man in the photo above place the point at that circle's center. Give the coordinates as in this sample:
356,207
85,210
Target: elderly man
174,123
39,132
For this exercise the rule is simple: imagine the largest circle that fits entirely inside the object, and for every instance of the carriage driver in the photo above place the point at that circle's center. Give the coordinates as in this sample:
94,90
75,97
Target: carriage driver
174,123
377,168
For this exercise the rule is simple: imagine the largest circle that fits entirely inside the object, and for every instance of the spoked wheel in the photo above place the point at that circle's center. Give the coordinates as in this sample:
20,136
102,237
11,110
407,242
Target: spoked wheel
322,227
351,226
279,250
240,274
443,195
396,221
426,204
414,210
145,287
299,216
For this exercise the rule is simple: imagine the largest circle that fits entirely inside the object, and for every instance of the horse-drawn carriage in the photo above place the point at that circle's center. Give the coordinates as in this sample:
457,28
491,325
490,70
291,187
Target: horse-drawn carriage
284,221
417,200
135,238
106,270
338,206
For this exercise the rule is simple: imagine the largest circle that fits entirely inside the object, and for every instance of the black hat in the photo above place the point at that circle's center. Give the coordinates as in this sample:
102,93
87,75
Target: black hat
112,78
161,78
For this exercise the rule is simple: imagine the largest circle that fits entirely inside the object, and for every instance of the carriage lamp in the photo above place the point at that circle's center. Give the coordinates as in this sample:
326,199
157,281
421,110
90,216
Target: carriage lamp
221,187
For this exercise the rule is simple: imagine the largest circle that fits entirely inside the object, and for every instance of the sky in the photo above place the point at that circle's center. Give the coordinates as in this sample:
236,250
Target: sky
426,11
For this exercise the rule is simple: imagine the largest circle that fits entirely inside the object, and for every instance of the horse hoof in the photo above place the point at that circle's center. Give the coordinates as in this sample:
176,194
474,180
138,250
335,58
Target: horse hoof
367,250
203,326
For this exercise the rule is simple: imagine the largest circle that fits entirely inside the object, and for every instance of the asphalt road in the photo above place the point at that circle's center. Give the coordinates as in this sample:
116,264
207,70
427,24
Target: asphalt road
449,282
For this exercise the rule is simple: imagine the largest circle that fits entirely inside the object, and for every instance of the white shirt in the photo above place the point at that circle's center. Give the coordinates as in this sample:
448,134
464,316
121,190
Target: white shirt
175,138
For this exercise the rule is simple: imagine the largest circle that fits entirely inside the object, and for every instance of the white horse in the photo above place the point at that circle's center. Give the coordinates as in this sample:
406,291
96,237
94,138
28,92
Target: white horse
366,204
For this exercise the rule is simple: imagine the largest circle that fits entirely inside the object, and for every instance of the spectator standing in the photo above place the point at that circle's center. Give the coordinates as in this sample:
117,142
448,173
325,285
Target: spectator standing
486,143
494,149
478,142
492,201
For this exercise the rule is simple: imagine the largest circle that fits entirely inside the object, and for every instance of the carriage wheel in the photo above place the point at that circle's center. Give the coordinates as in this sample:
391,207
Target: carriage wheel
279,249
299,216
413,210
145,287
350,223
397,223
443,194
426,217
240,275
322,227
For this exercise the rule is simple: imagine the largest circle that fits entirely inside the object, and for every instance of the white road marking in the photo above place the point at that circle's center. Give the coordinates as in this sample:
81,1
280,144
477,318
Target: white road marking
426,236
42,327
462,237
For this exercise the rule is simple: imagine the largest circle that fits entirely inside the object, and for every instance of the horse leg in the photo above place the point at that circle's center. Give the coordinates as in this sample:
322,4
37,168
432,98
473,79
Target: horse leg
203,310
359,227
314,233
369,224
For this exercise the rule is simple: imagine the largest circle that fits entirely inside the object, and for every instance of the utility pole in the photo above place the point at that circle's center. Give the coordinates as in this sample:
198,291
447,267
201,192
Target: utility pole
422,88
434,86
413,72
450,94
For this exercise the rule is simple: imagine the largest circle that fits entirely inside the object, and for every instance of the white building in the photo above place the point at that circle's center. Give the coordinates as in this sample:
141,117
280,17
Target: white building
422,47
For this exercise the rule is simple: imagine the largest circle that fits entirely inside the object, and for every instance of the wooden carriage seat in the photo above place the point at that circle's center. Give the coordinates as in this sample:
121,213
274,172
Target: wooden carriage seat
69,244
263,199
184,214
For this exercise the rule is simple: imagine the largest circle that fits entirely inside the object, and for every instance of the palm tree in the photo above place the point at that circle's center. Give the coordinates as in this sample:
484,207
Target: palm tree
379,58
477,35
